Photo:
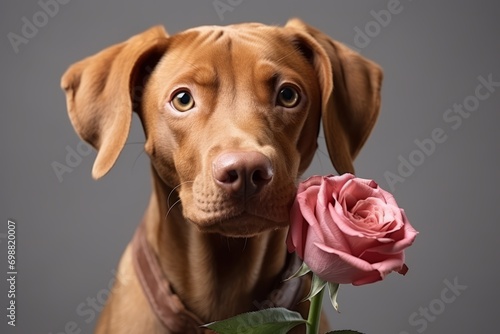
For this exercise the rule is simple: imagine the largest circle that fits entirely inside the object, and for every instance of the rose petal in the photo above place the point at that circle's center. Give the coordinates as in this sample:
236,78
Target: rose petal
297,233
327,231
403,270
359,230
333,265
403,239
357,189
314,180
383,268
344,268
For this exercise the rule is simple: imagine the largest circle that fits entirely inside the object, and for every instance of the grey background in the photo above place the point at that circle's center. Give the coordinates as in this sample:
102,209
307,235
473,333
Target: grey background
71,233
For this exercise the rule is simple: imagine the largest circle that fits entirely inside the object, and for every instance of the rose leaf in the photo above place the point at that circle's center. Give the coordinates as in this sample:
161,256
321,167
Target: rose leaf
268,321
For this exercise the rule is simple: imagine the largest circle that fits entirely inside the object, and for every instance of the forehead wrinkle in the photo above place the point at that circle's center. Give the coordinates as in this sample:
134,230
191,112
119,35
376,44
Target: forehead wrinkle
205,76
214,45
274,63
271,72
266,71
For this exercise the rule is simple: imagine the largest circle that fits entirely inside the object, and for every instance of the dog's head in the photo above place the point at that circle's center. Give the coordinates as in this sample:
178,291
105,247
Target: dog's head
231,114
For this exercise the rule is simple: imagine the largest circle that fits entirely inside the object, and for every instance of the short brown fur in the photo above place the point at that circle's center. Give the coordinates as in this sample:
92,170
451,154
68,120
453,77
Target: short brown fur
221,252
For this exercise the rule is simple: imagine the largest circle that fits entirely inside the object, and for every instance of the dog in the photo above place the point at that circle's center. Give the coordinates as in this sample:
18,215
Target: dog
231,117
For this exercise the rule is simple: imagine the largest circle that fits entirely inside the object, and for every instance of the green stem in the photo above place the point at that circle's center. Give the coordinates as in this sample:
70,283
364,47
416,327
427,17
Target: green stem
313,318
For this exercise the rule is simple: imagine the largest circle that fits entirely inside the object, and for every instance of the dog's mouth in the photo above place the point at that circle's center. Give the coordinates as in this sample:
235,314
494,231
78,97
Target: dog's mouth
242,219
243,224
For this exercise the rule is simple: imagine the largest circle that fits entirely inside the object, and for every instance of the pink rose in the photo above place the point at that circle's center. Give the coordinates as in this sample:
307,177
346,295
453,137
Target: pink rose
348,230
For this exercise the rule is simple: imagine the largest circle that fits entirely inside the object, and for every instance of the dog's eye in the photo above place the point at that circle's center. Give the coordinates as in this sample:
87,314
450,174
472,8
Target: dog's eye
183,101
288,97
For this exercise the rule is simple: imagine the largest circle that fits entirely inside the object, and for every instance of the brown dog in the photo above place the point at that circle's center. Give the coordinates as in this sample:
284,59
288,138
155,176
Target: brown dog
231,117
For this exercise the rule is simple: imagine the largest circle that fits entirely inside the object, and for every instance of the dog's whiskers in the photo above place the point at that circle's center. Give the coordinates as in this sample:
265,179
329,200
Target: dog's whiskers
171,207
173,190
178,201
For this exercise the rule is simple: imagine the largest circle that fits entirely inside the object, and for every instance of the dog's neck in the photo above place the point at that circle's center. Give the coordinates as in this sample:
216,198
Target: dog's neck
215,276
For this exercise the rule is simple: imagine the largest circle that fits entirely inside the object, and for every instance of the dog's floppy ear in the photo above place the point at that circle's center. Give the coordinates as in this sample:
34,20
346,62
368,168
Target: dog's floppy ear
100,90
350,87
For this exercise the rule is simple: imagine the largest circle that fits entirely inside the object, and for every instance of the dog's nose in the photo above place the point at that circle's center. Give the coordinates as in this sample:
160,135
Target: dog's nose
242,173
